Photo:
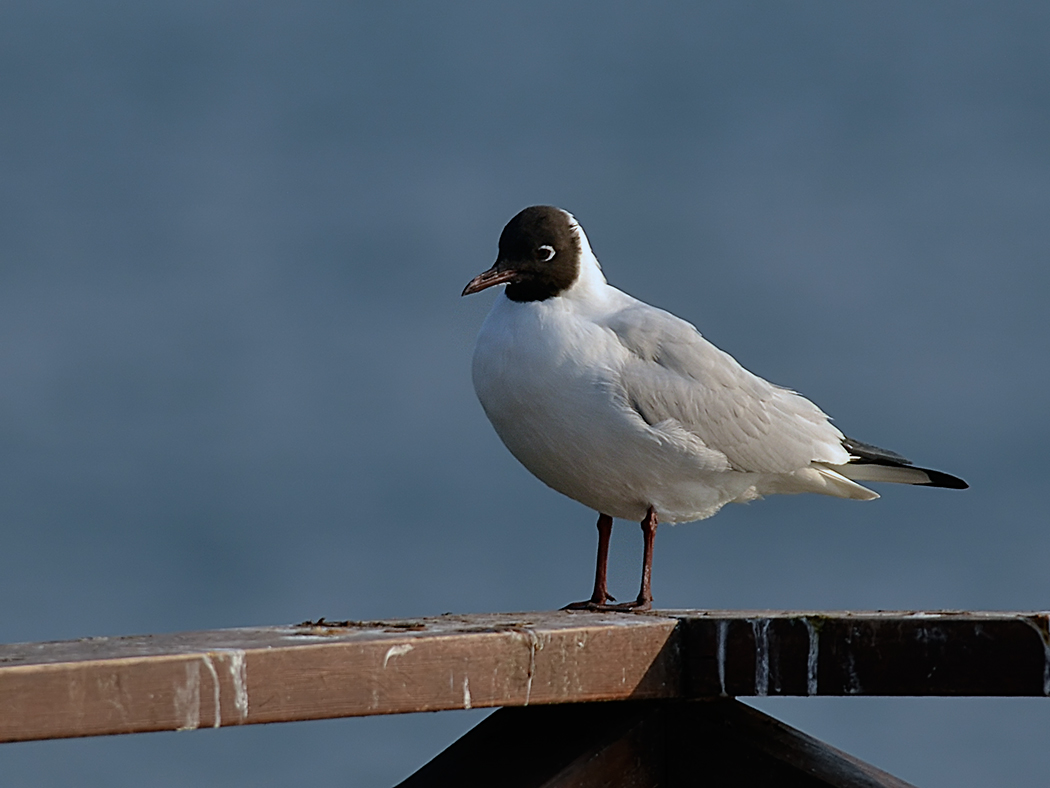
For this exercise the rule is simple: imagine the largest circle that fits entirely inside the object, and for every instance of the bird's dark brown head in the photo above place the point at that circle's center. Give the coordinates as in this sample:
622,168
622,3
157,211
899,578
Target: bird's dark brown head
539,256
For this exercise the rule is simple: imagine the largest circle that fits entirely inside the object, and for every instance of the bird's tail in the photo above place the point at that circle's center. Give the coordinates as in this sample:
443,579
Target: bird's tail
871,464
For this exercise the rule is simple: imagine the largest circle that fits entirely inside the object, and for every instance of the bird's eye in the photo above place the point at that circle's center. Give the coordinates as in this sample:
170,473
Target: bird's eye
546,252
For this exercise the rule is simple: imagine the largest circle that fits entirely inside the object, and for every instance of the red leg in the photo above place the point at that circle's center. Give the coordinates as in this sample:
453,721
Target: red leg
600,595
600,598
645,594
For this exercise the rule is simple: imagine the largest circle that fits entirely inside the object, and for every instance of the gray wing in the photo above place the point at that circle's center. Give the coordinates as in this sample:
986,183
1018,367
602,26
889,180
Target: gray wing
675,379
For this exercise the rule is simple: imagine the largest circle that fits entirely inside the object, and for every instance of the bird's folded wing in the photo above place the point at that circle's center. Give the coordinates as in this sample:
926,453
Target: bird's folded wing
673,375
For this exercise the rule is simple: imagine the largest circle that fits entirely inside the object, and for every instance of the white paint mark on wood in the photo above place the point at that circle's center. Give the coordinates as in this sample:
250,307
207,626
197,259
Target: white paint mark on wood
216,689
466,692
723,635
239,676
396,651
534,645
812,657
853,686
187,699
760,629
233,661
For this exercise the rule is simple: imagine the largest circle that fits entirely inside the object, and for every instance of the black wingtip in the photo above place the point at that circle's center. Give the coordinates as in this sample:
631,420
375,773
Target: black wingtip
867,454
939,479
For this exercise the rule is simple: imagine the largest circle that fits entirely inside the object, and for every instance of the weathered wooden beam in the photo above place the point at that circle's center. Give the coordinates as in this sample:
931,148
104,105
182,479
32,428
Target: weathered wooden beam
279,674
338,669
643,744
865,653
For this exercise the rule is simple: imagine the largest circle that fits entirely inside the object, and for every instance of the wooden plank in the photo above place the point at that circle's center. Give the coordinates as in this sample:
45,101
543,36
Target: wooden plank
274,674
232,677
673,744
865,653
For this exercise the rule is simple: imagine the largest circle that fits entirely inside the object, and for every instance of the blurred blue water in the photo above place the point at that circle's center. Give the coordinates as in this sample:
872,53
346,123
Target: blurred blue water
234,367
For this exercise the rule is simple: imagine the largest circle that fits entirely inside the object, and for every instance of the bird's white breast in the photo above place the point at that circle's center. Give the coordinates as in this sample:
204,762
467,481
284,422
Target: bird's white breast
548,375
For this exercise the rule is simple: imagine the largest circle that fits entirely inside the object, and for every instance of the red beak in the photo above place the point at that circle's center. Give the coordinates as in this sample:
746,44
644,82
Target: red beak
490,278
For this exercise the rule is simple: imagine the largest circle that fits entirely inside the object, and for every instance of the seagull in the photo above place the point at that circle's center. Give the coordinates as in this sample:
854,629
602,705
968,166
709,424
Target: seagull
627,409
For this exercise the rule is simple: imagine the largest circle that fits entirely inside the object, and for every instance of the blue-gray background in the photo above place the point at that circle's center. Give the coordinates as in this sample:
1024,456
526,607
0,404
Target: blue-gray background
234,364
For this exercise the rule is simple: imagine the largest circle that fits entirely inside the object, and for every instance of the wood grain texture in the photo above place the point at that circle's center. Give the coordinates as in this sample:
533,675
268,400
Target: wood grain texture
312,671
882,653
232,677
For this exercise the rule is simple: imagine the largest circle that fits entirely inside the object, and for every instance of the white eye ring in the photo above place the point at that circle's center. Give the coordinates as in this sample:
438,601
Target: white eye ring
550,252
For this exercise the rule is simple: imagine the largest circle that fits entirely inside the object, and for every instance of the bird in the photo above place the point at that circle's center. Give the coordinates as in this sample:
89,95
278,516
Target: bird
629,410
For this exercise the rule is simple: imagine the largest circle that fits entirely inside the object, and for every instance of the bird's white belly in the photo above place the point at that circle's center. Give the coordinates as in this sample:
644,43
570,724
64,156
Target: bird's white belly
565,420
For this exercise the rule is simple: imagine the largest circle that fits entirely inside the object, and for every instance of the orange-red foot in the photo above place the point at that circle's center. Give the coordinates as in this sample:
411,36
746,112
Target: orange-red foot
635,606
594,603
